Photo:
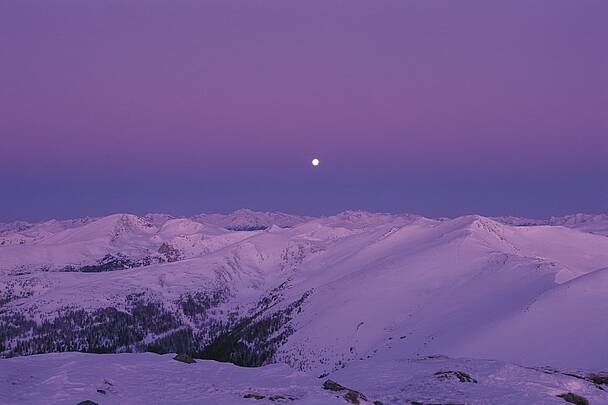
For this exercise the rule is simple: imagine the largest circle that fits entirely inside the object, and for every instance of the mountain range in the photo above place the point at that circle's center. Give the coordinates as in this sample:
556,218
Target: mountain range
341,297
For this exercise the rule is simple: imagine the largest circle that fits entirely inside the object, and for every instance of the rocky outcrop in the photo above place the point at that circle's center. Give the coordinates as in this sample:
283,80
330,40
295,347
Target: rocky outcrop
460,375
272,397
184,358
574,399
349,394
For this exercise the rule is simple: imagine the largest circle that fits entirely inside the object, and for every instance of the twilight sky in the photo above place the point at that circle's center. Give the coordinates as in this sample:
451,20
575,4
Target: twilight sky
434,107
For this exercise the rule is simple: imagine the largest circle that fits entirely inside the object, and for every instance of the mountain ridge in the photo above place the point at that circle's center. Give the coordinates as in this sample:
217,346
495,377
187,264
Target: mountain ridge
315,293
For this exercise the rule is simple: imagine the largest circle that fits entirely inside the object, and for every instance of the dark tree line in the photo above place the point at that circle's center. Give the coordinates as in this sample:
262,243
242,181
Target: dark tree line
148,325
113,263
104,330
254,340
246,228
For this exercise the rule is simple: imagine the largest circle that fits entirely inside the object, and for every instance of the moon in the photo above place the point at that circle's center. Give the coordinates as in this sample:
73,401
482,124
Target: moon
315,162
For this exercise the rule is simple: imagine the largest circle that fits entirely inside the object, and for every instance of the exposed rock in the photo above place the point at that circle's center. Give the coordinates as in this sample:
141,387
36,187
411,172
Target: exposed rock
331,385
274,398
184,358
598,379
253,395
281,398
87,402
460,375
350,395
574,399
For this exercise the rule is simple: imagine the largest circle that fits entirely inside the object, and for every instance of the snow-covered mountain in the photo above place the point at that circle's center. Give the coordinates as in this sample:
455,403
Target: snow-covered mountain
333,296
249,220
584,222
593,223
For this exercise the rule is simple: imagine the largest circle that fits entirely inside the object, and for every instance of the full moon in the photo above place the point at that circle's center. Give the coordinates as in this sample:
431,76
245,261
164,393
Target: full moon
315,162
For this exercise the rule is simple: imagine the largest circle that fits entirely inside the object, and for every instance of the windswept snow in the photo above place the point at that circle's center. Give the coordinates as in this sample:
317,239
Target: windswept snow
443,380
69,378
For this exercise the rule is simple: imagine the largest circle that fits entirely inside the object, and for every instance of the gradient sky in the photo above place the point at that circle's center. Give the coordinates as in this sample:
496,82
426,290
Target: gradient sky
434,107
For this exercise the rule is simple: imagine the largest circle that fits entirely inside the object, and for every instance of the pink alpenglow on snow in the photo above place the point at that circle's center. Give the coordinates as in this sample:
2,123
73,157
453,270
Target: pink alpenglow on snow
304,202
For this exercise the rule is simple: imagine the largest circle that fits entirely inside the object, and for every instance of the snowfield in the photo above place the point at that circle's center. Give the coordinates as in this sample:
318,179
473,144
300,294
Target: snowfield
355,297
146,378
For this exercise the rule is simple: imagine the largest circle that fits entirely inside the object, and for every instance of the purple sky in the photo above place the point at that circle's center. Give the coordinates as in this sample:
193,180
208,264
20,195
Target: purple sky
433,107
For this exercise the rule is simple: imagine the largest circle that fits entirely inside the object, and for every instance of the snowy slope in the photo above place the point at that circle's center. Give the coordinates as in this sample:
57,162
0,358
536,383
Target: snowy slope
68,378
54,248
315,293
565,326
443,380
429,288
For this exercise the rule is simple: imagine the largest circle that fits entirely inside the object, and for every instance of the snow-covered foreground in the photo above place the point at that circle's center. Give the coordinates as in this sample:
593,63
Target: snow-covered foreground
442,380
146,378
69,378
